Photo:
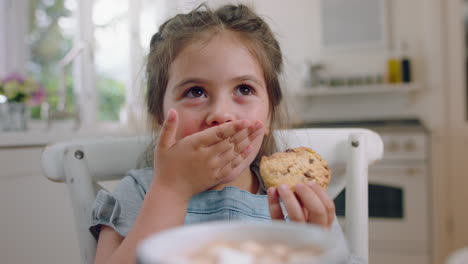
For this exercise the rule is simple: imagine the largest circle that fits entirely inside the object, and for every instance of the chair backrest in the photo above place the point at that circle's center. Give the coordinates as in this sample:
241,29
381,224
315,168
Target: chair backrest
82,163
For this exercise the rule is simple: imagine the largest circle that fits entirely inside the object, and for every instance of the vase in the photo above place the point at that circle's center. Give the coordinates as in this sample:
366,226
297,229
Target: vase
13,117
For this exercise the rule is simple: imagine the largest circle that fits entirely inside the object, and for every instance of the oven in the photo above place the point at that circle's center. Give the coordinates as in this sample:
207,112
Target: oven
399,219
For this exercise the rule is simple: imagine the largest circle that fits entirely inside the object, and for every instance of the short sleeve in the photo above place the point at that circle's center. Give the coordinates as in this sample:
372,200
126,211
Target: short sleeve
120,208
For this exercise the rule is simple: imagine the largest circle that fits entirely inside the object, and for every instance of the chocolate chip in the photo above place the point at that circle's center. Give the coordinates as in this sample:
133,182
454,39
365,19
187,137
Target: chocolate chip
308,174
289,150
289,168
311,161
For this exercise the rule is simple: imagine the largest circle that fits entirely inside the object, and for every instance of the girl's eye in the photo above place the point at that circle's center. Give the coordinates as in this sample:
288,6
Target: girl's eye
244,90
195,92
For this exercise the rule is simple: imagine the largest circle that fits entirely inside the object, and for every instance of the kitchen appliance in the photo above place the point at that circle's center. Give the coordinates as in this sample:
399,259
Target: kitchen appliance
399,219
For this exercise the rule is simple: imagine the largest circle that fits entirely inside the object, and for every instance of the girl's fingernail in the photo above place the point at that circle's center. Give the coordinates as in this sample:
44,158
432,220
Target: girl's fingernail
283,187
271,190
311,183
170,115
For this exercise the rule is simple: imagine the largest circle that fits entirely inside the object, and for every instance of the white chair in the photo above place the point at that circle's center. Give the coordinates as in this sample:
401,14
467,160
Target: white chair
82,163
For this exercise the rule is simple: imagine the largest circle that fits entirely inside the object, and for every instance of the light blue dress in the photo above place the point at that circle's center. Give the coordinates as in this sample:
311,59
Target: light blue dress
119,209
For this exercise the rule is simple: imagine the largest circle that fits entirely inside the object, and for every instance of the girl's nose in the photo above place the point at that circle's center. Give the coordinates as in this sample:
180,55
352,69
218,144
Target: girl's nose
220,115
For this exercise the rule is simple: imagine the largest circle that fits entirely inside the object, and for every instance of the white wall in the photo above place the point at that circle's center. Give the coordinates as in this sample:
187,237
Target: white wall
411,21
297,27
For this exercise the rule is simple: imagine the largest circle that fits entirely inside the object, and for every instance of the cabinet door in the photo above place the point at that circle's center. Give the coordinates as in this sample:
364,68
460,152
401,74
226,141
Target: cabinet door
37,223
456,28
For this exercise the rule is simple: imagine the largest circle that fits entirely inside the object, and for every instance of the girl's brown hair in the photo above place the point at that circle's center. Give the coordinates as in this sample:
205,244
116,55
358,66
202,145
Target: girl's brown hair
181,30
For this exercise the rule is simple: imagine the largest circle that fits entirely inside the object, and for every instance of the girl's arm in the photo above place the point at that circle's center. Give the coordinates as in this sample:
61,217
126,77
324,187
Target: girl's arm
165,211
182,169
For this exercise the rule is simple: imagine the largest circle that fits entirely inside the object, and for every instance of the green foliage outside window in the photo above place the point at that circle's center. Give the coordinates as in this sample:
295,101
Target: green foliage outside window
111,98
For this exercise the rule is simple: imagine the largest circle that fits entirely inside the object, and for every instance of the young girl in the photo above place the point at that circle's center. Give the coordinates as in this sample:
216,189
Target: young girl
213,88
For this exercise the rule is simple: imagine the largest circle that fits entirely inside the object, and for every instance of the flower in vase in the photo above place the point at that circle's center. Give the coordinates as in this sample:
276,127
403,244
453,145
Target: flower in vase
38,96
19,89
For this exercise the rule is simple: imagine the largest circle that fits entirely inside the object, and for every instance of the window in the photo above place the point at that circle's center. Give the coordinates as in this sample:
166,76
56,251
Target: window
102,44
49,38
111,56
121,33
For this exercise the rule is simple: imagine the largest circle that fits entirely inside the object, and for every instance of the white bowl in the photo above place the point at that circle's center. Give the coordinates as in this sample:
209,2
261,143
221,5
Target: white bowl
190,238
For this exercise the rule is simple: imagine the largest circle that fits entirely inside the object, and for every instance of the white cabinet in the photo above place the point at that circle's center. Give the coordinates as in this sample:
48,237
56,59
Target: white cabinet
36,218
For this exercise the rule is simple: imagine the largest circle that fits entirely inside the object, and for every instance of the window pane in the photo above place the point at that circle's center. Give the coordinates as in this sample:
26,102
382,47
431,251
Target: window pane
50,37
152,15
111,33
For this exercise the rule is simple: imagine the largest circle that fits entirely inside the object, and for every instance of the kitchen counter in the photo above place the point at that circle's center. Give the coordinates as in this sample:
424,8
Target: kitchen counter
38,135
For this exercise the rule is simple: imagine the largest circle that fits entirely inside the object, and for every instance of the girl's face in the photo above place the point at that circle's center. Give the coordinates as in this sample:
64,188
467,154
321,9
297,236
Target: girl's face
216,81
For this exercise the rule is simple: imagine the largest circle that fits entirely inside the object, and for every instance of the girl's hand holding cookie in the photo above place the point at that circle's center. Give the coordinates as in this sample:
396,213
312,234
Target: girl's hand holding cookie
299,177
205,159
309,203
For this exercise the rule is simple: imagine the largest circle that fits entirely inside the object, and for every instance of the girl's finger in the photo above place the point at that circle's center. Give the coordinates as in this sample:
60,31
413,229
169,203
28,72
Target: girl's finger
219,133
167,136
254,133
226,158
227,150
313,204
326,201
235,154
219,149
235,164
273,203
291,204
240,157
249,134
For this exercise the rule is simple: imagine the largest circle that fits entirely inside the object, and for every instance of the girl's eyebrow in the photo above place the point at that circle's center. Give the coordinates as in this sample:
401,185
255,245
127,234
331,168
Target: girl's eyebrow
248,78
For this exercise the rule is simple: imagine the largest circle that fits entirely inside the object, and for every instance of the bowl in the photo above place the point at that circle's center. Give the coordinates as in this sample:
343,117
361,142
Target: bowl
189,239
